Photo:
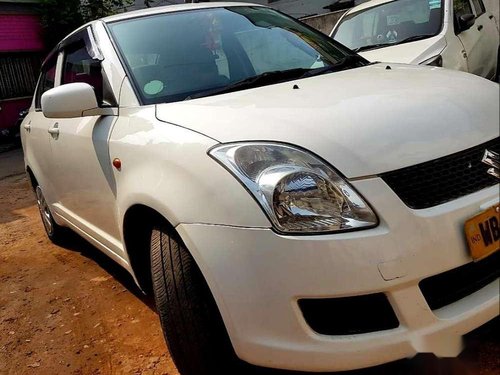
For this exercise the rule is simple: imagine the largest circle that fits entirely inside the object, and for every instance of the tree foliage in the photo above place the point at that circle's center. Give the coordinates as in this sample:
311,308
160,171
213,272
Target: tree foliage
94,9
60,17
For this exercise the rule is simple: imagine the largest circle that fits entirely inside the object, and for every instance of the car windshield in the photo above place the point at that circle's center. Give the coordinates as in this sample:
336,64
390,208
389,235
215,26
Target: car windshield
182,55
395,22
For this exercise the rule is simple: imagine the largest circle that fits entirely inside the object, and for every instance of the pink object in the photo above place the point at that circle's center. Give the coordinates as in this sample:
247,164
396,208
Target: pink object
9,111
20,32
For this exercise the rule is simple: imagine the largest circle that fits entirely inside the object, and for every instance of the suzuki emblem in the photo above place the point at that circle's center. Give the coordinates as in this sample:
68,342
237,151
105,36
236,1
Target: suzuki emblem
492,159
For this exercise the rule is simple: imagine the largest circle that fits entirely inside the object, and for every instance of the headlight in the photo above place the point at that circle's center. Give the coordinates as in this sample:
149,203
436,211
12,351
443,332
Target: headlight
433,61
300,193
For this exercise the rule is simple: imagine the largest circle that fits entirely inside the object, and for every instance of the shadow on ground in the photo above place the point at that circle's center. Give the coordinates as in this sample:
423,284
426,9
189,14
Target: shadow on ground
466,364
73,242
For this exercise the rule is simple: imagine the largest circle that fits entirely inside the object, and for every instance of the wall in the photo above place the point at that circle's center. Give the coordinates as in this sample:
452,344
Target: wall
324,22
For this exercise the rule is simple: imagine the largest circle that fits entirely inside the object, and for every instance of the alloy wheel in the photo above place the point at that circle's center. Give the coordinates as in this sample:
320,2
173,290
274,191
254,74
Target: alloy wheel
44,211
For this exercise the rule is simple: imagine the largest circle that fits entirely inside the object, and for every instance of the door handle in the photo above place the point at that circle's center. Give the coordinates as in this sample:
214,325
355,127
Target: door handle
54,131
480,27
27,127
491,16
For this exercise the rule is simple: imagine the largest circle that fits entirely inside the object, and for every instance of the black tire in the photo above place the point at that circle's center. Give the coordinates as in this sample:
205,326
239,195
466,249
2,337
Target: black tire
191,322
55,232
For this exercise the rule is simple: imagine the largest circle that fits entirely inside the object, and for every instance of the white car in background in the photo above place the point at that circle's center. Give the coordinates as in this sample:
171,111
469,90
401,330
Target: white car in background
290,204
455,34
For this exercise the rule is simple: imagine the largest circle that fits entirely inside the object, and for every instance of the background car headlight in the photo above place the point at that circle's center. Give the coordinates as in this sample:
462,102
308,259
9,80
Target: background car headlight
433,61
300,193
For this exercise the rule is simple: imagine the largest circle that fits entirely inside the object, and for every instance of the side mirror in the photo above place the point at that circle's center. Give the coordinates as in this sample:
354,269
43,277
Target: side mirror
466,21
72,100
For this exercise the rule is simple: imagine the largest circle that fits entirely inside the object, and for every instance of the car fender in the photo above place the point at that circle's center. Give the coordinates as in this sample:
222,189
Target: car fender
166,167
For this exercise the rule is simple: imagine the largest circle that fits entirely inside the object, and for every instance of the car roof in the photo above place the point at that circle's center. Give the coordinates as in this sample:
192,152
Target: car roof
172,8
368,4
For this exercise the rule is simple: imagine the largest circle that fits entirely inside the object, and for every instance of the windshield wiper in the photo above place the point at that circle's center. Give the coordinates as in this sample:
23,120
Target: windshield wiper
406,40
373,46
277,76
263,79
348,61
415,38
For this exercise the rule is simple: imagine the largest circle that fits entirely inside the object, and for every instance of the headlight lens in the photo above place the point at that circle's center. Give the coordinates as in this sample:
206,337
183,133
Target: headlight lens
299,193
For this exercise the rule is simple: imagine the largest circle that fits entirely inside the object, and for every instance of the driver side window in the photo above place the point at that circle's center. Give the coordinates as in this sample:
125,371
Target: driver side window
79,66
47,80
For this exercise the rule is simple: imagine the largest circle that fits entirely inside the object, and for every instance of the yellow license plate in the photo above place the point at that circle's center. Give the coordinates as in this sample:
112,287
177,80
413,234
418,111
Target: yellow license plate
483,233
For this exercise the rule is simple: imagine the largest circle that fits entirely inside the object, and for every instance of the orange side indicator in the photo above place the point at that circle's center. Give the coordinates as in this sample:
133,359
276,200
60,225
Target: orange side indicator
117,163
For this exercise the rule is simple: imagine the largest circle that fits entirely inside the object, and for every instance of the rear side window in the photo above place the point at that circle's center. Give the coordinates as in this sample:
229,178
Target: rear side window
47,80
79,66
479,7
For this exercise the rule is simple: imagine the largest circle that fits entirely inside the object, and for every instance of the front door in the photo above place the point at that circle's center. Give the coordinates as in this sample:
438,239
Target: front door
488,39
34,132
478,41
469,38
85,183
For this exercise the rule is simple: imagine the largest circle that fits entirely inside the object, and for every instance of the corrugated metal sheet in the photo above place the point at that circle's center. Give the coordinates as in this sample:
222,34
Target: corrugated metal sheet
18,75
20,32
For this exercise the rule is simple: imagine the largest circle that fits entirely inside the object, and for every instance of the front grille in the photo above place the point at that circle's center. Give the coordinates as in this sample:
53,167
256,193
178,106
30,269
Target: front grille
349,315
451,286
445,179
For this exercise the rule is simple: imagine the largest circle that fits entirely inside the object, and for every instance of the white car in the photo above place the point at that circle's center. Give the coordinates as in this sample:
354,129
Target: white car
289,204
455,34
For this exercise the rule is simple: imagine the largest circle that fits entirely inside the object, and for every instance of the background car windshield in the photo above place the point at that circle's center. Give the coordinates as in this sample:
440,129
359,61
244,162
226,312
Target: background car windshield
391,23
175,55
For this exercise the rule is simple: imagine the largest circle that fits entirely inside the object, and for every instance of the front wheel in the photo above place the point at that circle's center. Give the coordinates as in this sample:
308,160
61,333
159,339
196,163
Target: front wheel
191,322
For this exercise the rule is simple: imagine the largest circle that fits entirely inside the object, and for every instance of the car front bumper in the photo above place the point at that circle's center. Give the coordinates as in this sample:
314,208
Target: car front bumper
258,276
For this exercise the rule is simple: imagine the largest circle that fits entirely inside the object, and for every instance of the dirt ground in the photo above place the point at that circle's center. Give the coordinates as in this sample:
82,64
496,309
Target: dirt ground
70,310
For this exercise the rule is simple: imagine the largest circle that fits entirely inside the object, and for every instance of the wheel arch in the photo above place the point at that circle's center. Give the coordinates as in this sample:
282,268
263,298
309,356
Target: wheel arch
138,221
31,175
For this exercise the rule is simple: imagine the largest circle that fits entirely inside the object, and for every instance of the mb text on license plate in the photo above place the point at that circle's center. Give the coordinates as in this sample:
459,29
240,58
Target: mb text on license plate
483,233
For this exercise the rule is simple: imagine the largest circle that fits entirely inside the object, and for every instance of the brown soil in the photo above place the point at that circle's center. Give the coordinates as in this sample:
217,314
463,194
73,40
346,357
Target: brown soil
72,310
68,310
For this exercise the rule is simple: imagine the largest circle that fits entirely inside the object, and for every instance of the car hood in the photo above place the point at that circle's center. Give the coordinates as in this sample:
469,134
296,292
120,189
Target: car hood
408,53
364,121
